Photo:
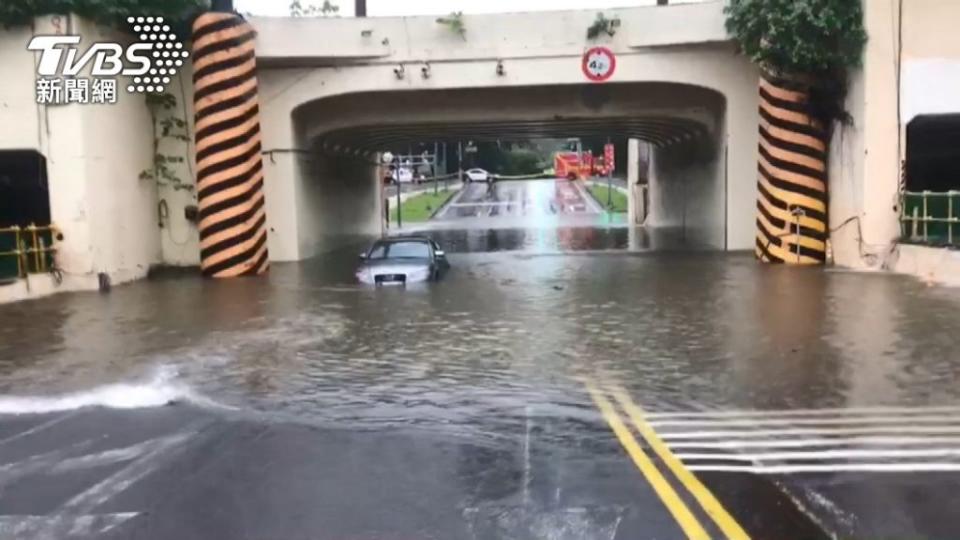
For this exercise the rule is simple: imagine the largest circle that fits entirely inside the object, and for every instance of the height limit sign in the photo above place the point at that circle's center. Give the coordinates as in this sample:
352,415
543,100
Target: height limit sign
599,64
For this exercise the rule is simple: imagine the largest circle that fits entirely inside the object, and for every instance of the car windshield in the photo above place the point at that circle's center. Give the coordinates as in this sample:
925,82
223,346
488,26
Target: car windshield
400,250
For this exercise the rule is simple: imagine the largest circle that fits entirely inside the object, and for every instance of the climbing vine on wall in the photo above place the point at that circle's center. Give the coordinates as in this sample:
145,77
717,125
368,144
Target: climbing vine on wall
297,9
107,12
454,22
813,42
167,126
603,25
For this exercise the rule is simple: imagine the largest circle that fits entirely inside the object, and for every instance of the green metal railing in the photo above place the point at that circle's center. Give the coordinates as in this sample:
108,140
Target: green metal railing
26,250
929,217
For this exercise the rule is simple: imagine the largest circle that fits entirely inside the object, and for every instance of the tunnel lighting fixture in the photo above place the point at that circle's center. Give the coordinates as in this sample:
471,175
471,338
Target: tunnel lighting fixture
399,71
425,71
501,71
366,33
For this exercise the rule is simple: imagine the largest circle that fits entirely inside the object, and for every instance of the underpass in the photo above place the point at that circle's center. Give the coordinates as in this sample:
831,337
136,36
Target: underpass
574,377
560,382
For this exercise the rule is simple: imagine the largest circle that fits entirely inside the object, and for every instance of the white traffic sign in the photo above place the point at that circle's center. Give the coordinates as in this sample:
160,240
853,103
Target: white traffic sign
599,64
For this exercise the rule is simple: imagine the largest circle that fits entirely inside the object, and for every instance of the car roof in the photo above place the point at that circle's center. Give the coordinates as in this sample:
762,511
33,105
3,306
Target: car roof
395,239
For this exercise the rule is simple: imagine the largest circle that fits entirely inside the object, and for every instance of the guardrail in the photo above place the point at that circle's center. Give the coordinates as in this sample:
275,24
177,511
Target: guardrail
27,250
929,217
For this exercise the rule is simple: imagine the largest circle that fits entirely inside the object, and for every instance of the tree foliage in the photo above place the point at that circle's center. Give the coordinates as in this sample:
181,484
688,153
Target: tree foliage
802,37
107,12
520,161
810,43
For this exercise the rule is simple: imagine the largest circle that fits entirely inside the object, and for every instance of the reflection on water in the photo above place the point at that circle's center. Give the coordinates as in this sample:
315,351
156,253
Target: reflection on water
513,325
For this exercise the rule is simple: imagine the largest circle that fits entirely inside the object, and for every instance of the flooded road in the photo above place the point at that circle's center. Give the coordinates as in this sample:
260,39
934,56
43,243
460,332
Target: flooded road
531,199
717,350
687,330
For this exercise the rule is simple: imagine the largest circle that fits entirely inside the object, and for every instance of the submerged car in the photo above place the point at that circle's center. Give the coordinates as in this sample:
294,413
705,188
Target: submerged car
402,260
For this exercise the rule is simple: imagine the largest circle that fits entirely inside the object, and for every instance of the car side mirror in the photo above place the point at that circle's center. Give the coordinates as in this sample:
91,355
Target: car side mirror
363,256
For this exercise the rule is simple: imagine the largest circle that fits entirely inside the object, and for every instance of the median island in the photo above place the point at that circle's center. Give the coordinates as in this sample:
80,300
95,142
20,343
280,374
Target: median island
618,201
422,206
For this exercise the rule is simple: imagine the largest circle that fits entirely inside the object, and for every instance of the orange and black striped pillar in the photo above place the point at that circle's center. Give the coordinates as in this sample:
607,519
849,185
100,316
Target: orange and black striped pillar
792,181
233,232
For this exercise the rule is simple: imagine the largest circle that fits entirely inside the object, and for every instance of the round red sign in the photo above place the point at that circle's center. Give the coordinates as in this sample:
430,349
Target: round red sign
599,64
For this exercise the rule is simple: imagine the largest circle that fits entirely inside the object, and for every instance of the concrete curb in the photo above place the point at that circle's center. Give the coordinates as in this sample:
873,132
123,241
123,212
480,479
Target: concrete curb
443,207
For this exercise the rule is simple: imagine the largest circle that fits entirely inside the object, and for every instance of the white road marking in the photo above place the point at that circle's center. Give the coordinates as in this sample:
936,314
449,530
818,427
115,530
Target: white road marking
824,455
802,432
798,441
803,412
828,468
724,423
485,203
77,516
804,443
33,527
37,428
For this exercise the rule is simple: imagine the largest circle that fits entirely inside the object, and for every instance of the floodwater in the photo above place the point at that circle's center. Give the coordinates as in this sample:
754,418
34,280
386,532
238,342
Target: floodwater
840,385
523,317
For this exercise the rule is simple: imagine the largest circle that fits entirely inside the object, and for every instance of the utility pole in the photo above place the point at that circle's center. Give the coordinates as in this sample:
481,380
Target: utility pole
360,8
460,161
399,213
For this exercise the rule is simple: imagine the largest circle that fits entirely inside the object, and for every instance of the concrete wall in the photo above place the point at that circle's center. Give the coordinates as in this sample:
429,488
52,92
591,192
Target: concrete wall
686,193
289,41
931,58
180,238
338,201
866,155
95,154
19,112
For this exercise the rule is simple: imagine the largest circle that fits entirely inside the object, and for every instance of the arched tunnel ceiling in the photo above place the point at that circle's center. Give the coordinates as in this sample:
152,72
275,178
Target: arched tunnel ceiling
660,113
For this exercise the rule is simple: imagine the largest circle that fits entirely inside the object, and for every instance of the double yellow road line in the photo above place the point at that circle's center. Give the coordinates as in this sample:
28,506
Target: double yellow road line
671,499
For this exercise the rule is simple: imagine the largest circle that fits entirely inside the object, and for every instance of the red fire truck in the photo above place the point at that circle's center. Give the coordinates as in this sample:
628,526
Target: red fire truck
577,164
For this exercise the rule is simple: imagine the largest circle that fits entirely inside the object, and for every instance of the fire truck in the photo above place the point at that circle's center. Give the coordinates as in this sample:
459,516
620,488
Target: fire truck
577,164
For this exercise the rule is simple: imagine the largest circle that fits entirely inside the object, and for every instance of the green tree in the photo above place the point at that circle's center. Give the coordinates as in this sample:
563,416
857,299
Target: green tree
814,43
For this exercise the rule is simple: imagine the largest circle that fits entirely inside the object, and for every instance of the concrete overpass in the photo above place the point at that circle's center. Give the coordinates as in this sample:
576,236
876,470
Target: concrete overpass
335,91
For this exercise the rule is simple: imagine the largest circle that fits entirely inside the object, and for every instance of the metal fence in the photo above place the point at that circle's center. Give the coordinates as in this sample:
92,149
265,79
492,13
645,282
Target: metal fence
931,218
27,250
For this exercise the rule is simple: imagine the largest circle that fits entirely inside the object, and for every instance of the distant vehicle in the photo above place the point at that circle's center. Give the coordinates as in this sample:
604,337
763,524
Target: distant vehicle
401,176
400,260
477,175
578,164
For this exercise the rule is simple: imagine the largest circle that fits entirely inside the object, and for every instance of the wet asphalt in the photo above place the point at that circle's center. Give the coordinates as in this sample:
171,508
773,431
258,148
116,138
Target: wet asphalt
810,403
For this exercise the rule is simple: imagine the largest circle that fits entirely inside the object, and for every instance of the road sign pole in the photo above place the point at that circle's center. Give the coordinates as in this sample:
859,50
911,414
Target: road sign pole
609,188
608,163
399,213
436,182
